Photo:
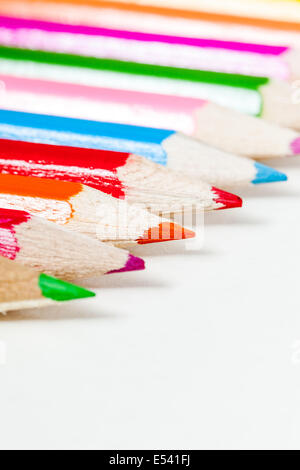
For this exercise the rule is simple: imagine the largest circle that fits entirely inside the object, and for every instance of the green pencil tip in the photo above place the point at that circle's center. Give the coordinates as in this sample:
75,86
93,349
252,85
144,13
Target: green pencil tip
61,291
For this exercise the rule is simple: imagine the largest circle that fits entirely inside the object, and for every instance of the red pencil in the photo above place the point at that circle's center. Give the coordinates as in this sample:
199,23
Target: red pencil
121,175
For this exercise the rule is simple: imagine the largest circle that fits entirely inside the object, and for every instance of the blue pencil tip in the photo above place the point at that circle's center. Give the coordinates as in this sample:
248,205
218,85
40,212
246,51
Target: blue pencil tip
266,174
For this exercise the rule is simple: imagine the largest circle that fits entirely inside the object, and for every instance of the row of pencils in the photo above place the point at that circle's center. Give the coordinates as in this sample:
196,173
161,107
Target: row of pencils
116,116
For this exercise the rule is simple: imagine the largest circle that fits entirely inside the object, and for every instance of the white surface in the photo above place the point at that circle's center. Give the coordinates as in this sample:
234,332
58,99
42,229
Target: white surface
200,351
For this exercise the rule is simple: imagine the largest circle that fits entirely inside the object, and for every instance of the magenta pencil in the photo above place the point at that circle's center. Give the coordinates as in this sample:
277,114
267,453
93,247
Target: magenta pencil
161,20
40,244
279,62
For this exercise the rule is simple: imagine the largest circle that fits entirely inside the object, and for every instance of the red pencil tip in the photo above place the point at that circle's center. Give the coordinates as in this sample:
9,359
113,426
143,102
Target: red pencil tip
133,264
165,232
227,199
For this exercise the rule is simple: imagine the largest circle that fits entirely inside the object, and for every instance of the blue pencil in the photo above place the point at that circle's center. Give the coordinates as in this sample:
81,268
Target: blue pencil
166,147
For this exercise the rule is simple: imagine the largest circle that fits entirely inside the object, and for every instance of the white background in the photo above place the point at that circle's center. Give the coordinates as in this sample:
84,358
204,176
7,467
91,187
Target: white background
202,350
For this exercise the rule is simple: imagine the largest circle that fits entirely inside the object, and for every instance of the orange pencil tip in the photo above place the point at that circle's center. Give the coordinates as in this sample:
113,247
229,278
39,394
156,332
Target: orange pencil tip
165,232
228,200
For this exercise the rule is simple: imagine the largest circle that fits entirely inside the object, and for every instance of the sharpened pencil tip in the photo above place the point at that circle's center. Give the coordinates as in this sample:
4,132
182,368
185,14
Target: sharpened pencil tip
295,146
266,174
228,200
133,264
165,232
61,291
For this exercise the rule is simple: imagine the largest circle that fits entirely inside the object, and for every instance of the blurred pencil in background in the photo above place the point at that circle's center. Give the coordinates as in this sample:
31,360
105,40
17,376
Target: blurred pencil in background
165,20
278,62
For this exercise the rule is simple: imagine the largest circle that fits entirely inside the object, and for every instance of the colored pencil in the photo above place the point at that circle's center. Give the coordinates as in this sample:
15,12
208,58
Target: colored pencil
22,287
135,178
159,19
87,211
279,62
130,177
166,147
265,9
49,248
258,96
279,12
226,129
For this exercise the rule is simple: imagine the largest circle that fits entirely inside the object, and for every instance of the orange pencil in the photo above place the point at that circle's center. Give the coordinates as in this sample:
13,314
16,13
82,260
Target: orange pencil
159,9
88,211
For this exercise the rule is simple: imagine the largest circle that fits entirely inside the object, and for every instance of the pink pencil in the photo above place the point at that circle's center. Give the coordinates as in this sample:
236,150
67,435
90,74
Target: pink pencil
226,129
